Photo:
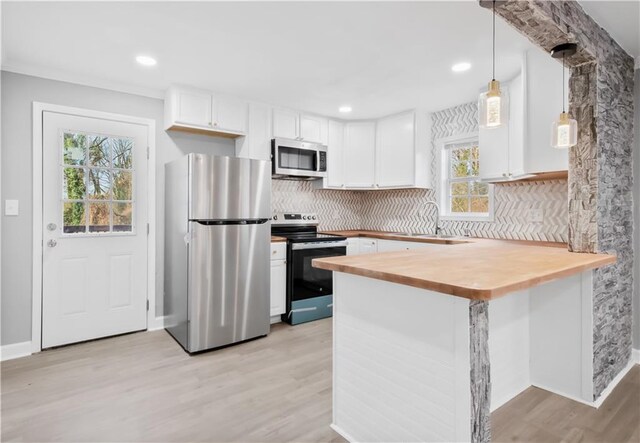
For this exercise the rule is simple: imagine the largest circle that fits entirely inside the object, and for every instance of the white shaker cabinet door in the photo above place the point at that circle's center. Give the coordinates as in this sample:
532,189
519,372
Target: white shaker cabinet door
395,151
359,155
193,109
313,129
285,124
335,155
230,114
278,286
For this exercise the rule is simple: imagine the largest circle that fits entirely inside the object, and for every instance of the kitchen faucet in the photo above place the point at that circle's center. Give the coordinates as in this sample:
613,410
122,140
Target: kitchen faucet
437,215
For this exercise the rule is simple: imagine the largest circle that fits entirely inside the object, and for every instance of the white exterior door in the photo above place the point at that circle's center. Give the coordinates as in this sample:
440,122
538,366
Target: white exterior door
94,262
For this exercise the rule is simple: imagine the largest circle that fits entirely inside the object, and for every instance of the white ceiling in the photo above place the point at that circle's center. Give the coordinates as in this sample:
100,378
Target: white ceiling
378,57
621,19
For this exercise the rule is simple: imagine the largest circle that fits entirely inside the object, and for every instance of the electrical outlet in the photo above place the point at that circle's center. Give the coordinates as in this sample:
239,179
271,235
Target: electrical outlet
536,215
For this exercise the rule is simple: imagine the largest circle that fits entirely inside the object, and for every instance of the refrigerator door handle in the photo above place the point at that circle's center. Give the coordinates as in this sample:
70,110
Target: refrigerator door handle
257,221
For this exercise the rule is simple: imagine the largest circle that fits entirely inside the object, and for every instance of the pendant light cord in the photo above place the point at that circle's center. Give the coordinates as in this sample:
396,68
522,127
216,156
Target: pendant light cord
563,107
494,40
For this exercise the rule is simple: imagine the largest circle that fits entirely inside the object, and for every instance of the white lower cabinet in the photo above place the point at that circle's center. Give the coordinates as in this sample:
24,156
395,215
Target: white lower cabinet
278,279
352,245
367,245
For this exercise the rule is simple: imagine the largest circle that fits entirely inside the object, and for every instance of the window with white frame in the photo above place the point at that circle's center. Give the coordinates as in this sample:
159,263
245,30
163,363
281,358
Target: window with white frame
463,195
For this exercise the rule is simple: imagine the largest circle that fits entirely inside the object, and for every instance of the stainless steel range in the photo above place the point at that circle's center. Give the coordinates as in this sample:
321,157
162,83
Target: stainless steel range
309,290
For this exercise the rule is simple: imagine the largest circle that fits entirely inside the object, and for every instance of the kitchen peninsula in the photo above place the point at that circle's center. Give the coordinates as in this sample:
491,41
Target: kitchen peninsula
428,342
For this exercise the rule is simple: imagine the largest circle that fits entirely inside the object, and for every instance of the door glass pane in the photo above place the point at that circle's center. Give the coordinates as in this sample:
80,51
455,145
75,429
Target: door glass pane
73,184
479,204
99,217
461,188
74,218
74,149
99,184
459,204
122,216
99,151
122,151
122,185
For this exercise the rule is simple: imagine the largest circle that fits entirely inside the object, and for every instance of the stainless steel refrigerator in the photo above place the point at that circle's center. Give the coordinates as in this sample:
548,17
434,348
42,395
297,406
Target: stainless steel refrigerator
217,240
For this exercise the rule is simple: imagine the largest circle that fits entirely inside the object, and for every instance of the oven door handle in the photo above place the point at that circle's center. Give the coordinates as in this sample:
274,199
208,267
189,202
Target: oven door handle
318,245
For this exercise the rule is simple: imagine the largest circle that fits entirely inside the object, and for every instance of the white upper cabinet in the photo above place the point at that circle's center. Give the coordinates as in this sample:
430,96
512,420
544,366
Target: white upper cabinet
192,109
335,155
359,155
257,143
304,127
230,114
523,147
285,123
395,151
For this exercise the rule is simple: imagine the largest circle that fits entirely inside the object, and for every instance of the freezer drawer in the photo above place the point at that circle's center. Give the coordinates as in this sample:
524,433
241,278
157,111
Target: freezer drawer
227,188
228,283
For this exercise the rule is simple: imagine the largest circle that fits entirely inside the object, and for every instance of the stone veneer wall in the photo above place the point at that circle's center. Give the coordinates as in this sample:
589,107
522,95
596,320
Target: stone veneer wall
600,166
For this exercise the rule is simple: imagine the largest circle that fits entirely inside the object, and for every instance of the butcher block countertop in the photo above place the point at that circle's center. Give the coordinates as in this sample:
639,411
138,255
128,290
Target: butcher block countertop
478,269
276,239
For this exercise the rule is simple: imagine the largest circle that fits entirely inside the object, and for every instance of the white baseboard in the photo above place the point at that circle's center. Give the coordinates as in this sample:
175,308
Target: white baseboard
156,324
603,396
15,350
342,433
612,385
275,319
497,402
635,356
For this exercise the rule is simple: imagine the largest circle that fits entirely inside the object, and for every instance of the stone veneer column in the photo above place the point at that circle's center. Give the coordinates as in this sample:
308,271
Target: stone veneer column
600,166
480,371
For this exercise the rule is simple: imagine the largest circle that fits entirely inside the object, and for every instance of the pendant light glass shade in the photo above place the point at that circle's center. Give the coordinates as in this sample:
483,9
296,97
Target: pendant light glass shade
493,106
564,132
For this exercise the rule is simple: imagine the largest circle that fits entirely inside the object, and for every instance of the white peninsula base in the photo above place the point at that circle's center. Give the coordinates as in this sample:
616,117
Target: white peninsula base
402,366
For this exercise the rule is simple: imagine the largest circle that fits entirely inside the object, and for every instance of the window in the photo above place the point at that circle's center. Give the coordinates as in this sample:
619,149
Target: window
97,183
464,196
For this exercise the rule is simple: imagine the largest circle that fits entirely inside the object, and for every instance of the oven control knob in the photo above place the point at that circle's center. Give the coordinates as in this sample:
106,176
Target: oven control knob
314,217
304,217
275,217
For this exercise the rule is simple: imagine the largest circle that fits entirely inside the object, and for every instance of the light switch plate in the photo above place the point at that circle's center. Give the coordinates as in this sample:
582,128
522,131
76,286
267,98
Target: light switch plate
536,215
11,207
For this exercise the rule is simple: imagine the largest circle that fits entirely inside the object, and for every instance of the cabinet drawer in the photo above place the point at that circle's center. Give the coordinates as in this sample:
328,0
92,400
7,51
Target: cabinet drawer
279,251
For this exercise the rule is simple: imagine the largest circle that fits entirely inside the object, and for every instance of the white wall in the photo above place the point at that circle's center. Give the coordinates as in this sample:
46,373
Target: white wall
19,91
636,202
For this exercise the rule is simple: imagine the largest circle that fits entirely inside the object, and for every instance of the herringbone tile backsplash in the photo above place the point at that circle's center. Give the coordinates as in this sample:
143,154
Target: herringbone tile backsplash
405,210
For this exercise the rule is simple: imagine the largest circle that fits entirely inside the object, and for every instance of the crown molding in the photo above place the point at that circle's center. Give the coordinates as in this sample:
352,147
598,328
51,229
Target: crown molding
79,79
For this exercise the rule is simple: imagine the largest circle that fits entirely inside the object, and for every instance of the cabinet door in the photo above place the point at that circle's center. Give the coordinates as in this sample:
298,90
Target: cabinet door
313,129
230,114
359,154
278,286
543,104
285,123
193,108
335,158
259,137
368,246
395,151
494,152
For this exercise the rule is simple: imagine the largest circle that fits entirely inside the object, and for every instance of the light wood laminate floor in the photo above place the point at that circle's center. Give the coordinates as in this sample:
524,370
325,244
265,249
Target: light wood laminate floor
143,387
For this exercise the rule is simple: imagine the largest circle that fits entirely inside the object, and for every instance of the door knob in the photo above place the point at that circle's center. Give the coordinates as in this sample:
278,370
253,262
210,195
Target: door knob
52,243
52,226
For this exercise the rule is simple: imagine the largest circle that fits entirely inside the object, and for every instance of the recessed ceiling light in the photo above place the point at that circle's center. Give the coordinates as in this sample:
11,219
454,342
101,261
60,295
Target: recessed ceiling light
345,109
145,60
461,67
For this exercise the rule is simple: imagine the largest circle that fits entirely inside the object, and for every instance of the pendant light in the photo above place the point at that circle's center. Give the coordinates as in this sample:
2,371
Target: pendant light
493,105
564,131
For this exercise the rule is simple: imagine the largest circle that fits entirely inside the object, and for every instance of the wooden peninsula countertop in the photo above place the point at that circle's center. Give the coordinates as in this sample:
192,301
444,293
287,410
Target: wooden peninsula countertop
472,268
276,239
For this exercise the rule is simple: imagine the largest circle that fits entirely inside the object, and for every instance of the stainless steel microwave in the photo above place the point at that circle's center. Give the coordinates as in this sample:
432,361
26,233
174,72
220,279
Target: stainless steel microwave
298,160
